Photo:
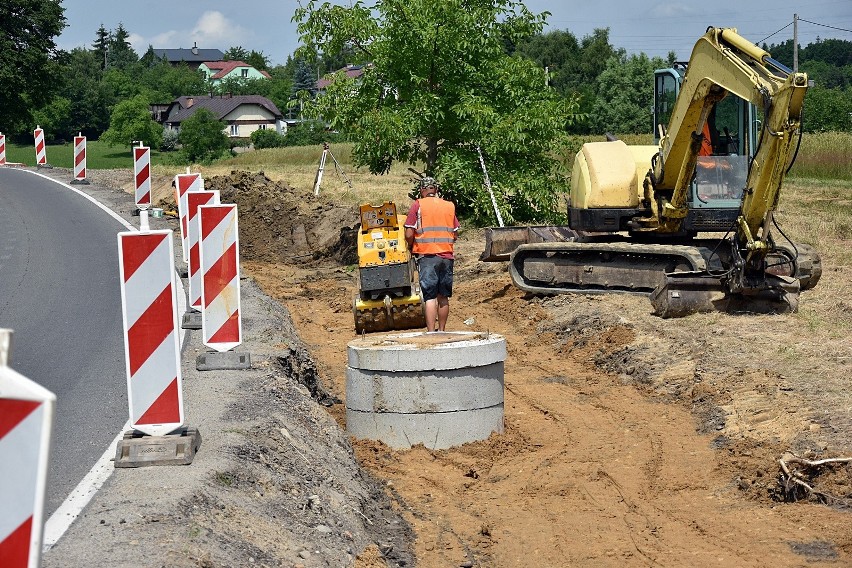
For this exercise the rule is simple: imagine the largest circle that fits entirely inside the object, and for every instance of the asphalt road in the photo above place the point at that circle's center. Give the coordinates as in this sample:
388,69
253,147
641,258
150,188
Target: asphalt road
59,292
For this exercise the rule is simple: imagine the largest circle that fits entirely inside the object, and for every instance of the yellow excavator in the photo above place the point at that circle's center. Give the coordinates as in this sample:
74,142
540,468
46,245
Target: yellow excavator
640,217
388,294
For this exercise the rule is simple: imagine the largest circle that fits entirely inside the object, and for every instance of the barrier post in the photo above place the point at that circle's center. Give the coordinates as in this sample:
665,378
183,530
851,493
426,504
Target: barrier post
152,353
142,176
185,183
26,420
192,318
220,291
2,149
80,160
40,148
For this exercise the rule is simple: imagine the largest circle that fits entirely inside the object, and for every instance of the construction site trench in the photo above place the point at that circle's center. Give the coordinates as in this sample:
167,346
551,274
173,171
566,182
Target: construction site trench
628,440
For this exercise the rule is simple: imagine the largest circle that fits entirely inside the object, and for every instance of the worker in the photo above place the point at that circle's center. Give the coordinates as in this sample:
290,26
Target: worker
431,229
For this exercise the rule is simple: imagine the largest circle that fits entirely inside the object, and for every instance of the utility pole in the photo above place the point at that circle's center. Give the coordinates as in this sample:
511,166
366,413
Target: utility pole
795,43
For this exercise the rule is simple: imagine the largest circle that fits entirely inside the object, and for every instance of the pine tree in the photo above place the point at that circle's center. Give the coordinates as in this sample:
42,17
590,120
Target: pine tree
101,45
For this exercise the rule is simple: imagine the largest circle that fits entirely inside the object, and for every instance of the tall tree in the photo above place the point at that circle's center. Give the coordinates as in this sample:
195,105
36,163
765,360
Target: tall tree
28,29
556,51
101,45
625,95
440,85
89,96
121,54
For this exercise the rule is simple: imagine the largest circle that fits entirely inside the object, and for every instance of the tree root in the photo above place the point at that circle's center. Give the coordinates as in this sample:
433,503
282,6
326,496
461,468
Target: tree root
797,479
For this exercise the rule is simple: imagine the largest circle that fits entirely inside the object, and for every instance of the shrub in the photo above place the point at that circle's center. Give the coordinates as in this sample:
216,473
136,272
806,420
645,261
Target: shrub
267,139
202,137
311,133
170,140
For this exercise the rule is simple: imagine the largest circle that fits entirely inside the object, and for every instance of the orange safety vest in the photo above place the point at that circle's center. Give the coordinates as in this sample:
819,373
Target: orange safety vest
434,232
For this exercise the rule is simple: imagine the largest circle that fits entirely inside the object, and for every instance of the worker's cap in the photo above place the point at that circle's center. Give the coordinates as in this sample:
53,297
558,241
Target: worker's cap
428,182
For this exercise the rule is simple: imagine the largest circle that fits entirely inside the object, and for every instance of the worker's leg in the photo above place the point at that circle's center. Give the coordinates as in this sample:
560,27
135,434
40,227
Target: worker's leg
432,314
443,308
445,291
429,289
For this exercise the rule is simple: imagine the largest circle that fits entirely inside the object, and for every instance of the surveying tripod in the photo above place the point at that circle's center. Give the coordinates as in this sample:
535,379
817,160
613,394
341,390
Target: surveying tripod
327,152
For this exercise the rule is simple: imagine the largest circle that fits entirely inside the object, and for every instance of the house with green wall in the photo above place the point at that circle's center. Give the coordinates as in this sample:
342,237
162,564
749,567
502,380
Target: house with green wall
218,71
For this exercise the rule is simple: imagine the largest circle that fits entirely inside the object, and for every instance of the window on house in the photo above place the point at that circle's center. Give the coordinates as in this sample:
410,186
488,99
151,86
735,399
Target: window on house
244,72
235,130
262,127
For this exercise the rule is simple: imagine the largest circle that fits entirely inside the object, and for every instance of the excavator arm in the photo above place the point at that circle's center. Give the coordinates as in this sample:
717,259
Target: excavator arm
724,62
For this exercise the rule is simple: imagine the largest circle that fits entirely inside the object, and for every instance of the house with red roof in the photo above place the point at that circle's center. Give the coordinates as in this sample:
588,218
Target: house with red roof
218,71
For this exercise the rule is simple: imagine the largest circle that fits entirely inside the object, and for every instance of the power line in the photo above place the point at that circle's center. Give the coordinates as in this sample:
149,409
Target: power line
824,25
773,33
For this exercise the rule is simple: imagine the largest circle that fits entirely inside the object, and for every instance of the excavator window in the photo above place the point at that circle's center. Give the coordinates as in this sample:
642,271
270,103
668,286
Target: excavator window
665,95
721,172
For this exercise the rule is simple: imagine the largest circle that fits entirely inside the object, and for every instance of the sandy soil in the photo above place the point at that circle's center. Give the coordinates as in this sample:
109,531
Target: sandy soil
629,440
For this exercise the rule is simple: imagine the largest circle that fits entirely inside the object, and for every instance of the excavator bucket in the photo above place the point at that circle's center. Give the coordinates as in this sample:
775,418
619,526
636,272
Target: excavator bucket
500,242
684,293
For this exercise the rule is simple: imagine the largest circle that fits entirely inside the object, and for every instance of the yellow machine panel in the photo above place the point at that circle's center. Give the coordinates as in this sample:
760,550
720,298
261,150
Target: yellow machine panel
388,296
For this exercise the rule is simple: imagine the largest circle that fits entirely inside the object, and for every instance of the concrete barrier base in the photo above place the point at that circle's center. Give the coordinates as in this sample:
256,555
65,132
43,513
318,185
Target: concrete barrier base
227,361
137,449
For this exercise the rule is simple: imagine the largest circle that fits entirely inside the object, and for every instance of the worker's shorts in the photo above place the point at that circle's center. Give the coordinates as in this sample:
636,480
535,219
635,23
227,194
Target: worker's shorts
436,276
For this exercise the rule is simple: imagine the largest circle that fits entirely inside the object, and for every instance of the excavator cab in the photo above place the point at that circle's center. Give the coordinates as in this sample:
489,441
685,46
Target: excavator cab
730,133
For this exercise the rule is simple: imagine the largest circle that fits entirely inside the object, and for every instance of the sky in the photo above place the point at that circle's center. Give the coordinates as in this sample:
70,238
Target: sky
652,27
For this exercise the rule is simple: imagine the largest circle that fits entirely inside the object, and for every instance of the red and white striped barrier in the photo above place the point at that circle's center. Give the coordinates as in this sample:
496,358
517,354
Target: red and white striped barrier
221,325
142,176
151,339
40,149
80,157
186,183
2,149
193,201
26,419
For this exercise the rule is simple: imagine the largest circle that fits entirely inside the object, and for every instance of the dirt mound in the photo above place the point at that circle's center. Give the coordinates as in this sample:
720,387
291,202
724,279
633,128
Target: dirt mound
279,223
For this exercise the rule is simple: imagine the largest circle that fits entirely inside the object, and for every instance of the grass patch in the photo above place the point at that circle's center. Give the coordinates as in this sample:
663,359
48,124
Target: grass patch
99,155
824,155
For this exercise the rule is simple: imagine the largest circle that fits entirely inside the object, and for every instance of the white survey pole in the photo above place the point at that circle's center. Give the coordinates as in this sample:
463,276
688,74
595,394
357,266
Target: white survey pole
490,190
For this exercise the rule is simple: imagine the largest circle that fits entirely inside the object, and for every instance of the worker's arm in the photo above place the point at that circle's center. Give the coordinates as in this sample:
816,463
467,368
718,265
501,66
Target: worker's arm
409,237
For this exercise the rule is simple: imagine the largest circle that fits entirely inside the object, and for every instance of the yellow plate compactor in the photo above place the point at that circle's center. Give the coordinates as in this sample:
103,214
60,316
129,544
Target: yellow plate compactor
388,295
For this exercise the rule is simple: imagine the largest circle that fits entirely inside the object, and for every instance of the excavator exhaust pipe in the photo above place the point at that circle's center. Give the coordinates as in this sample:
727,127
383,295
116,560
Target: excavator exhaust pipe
683,293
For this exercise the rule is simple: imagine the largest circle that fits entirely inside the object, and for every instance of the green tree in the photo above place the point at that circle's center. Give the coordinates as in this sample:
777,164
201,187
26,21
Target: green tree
557,51
625,95
165,82
203,137
27,47
258,60
828,110
236,53
121,54
131,121
89,97
54,119
439,86
100,46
